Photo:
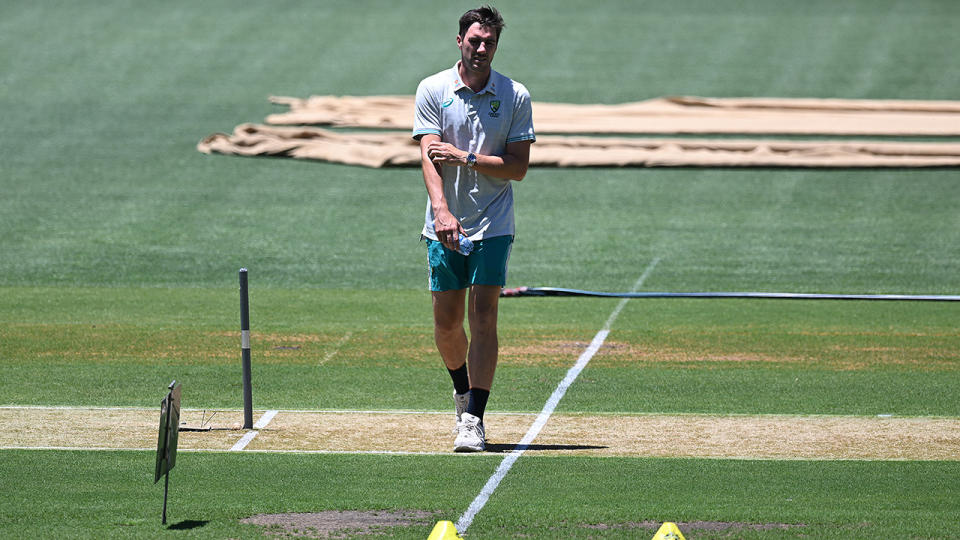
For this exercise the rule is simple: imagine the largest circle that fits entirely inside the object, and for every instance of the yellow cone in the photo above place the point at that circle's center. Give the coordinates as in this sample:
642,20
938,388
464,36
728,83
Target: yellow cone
444,530
668,531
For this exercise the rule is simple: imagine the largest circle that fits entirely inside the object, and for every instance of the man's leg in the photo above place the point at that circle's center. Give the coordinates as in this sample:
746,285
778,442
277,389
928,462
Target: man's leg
484,345
448,332
451,340
481,363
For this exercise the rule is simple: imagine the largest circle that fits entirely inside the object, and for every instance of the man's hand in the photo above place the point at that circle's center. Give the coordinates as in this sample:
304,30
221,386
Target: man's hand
448,229
446,154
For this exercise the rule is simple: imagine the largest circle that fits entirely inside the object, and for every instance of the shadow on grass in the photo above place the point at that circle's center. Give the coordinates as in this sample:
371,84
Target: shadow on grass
187,525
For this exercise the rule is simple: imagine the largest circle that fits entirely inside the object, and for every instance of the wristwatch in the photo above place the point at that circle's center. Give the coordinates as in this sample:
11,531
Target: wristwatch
471,160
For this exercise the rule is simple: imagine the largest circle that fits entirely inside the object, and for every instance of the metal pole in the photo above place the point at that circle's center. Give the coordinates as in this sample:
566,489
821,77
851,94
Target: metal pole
166,457
245,351
166,488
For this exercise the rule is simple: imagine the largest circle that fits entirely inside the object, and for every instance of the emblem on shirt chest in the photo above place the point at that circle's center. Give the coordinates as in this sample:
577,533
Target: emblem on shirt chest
494,107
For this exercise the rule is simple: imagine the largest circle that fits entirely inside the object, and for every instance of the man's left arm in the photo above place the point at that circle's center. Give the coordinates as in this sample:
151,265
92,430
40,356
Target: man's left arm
512,165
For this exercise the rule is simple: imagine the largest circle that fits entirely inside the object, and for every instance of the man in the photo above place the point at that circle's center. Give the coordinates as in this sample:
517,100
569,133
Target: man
475,129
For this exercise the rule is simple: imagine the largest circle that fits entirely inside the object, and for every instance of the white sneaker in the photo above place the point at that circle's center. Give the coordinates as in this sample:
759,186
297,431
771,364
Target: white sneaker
460,401
470,434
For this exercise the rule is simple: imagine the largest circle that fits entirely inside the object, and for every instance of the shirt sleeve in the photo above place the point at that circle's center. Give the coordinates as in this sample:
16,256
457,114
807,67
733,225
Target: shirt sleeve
426,120
521,127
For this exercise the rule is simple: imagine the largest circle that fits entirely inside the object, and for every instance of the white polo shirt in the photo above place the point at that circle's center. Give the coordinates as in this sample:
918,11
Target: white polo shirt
482,123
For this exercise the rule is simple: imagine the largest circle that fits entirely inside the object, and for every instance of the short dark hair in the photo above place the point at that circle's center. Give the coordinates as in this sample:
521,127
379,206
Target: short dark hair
485,15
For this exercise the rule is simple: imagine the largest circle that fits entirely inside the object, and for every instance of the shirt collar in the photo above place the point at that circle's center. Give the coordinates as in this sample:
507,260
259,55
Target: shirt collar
490,88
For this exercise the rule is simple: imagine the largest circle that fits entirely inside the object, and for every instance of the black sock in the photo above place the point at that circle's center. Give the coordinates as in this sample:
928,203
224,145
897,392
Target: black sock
461,381
478,402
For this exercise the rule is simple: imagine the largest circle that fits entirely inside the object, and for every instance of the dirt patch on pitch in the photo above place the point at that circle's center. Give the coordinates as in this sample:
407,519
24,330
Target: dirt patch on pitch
759,437
916,359
337,523
378,432
113,428
937,355
691,435
617,354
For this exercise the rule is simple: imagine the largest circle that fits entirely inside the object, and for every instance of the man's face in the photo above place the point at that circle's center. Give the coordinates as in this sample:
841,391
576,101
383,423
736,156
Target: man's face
477,47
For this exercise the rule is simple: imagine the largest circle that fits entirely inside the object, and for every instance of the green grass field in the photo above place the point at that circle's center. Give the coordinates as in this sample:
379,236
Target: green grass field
121,245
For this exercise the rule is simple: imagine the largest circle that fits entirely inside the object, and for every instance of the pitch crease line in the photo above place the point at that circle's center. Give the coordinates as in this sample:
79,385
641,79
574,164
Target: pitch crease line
481,500
261,423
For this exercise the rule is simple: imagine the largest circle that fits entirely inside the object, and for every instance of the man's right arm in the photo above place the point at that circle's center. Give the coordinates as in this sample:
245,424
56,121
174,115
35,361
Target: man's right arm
444,224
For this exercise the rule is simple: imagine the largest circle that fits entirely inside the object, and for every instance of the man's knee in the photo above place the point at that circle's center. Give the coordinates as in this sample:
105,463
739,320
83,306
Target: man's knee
448,325
484,305
448,310
484,314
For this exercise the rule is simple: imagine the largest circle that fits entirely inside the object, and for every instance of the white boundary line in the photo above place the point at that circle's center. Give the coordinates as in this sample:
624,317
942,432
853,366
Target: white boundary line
261,423
84,408
446,453
493,413
481,500
306,411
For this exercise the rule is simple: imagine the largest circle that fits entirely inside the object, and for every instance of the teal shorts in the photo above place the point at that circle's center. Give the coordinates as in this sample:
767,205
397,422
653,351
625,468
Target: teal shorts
486,264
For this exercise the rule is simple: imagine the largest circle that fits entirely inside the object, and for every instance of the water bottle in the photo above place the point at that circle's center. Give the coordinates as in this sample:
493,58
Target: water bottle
466,246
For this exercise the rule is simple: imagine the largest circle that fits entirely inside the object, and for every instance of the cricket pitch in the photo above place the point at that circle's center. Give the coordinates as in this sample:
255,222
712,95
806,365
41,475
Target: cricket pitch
703,436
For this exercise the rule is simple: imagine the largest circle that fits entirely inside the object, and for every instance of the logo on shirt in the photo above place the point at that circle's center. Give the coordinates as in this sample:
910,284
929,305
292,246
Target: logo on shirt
494,107
449,101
